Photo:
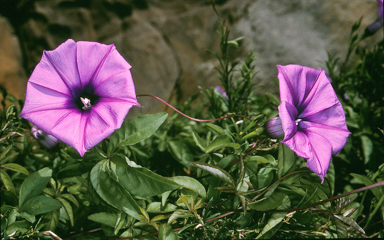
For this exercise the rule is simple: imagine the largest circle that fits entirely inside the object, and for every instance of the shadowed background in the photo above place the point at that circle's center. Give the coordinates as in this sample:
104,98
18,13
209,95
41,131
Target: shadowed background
165,41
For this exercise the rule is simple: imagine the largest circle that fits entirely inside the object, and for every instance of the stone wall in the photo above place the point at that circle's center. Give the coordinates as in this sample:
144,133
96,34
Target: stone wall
166,40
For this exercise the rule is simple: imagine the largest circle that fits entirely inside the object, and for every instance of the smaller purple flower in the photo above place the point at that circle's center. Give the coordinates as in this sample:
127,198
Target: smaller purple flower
46,140
274,128
218,88
311,116
80,93
373,27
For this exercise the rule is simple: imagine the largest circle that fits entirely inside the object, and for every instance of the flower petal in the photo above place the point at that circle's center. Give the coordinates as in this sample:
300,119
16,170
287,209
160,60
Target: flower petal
288,114
321,154
336,136
300,144
119,86
112,111
96,129
41,98
295,83
63,62
113,64
320,97
89,67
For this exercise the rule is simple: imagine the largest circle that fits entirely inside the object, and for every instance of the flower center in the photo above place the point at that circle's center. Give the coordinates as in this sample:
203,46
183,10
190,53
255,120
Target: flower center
87,103
297,121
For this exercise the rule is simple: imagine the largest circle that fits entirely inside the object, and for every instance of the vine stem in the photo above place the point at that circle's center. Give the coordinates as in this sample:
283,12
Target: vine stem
194,119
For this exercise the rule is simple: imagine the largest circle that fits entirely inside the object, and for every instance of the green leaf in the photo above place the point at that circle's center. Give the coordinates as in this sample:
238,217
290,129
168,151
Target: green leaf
34,184
199,141
68,209
7,181
215,171
111,191
140,181
179,214
286,161
221,142
135,130
265,176
258,159
156,207
53,220
15,167
181,152
190,183
341,229
269,203
2,155
108,219
9,157
276,218
40,204
351,223
166,233
216,128
367,145
366,181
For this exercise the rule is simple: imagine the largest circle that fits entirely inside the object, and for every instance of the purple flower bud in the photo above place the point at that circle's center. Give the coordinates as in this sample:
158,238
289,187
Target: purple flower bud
218,88
46,140
275,128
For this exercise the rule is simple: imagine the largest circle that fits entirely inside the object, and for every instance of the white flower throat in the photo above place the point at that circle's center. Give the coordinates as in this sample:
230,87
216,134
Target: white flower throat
87,103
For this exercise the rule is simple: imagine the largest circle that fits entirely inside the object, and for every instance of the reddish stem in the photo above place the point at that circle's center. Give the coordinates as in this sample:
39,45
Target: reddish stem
194,119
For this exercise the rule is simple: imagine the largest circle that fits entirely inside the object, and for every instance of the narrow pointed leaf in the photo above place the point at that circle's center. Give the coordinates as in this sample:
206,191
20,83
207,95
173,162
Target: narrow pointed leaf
136,129
199,141
341,229
351,223
156,207
215,171
16,167
53,220
68,209
221,142
366,181
286,162
7,181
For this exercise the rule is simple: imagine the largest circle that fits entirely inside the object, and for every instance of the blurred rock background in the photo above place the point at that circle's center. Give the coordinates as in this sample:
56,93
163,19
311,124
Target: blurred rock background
166,40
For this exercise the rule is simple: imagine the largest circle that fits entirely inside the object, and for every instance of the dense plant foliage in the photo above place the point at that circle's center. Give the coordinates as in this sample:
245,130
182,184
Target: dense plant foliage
164,176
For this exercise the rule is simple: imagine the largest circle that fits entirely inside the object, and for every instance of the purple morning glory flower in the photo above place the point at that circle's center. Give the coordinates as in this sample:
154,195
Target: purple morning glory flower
80,93
312,117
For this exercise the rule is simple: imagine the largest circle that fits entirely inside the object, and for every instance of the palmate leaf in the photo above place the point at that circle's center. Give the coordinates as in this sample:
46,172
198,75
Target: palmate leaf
111,191
140,181
135,130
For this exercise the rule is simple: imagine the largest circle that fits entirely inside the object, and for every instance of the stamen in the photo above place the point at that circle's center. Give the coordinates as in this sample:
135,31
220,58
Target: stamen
297,121
87,103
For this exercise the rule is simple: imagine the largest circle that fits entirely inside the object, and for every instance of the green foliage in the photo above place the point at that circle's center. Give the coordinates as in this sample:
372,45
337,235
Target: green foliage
168,177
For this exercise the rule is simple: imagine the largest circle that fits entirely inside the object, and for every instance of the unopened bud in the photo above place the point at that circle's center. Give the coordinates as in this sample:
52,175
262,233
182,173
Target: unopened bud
275,128
46,140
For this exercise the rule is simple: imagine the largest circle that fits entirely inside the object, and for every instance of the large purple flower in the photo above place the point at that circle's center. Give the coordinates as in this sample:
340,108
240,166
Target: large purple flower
311,116
80,93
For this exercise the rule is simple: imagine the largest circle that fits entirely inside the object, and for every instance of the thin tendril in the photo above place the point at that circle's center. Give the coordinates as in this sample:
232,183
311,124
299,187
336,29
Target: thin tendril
194,119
